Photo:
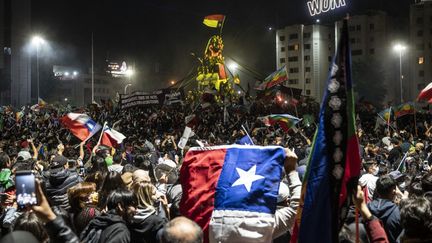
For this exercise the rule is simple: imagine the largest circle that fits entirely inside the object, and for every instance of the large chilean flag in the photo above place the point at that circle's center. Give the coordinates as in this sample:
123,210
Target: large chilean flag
231,191
80,125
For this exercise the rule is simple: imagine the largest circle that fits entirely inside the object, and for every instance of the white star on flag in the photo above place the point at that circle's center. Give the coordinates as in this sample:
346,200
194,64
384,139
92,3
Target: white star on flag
247,177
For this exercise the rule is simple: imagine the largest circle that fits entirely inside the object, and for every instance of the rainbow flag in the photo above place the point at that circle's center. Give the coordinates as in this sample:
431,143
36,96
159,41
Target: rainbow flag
285,121
334,163
274,79
214,21
405,109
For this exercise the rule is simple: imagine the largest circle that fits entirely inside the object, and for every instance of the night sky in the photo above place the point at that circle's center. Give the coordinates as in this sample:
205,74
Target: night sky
145,32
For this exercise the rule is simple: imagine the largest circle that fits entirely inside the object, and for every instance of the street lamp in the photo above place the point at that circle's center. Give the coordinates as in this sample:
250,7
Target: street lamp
172,82
129,73
37,41
233,66
125,88
400,48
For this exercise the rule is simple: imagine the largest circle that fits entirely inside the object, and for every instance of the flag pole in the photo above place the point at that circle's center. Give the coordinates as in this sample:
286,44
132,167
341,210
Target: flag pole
100,137
403,160
415,122
388,121
244,129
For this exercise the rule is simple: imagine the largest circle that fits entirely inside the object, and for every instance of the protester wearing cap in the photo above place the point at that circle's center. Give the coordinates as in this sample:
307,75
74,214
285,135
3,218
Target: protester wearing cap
59,180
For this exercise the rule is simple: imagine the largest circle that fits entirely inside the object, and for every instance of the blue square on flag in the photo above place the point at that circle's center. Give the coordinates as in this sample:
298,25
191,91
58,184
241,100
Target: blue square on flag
90,124
250,179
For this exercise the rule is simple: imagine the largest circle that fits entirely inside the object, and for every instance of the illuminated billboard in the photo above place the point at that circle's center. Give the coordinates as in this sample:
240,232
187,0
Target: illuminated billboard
317,7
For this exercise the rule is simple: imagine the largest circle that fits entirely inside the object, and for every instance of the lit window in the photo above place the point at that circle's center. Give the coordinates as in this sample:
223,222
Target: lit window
296,47
421,60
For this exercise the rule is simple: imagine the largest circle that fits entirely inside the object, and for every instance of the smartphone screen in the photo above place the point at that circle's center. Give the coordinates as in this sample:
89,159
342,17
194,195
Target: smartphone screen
25,189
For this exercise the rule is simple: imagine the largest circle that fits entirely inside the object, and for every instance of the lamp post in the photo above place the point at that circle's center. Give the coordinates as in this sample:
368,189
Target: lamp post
126,86
129,74
37,41
400,48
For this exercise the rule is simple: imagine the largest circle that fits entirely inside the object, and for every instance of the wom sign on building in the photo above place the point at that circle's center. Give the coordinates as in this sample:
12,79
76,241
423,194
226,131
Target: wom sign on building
322,6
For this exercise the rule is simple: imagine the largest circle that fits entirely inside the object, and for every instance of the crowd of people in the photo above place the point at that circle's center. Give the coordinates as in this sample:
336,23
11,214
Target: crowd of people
87,192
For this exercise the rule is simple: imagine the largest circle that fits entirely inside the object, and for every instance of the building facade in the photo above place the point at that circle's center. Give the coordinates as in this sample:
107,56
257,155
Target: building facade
307,51
75,88
15,63
371,40
420,48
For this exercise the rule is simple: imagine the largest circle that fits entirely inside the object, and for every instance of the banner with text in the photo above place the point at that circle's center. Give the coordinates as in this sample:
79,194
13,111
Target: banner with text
157,97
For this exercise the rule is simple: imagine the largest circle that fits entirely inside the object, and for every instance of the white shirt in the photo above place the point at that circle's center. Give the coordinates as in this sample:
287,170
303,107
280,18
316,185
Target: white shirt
369,181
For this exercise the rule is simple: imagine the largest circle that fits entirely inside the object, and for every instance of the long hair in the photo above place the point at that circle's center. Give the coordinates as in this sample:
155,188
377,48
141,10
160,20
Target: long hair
78,195
143,192
122,197
112,182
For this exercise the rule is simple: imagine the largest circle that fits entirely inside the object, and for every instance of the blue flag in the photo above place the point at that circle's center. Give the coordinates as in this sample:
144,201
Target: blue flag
245,140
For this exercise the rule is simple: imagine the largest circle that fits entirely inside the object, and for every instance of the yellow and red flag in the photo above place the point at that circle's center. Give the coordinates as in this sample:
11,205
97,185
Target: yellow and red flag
214,20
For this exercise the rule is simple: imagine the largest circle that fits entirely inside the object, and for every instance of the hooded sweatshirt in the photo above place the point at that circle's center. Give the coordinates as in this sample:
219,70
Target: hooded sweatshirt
108,227
146,225
389,214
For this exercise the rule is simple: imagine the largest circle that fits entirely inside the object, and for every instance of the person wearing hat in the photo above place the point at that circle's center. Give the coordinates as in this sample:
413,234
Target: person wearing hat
59,180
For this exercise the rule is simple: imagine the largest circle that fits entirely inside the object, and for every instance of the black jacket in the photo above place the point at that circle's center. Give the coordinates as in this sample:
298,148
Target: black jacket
57,184
146,226
108,227
59,232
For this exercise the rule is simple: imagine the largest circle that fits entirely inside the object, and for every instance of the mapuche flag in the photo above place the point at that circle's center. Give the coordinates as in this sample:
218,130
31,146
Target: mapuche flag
285,121
334,163
387,114
405,109
231,191
214,21
274,79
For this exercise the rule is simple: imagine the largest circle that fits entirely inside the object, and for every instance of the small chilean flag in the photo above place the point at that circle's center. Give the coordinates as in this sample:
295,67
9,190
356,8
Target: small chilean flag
80,125
111,137
426,94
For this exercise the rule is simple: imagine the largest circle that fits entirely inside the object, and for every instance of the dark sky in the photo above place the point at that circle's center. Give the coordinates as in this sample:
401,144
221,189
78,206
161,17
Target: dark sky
146,32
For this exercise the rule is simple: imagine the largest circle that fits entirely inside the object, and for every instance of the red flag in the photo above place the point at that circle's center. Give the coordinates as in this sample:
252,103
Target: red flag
426,94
